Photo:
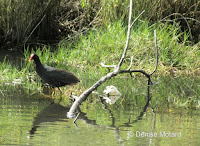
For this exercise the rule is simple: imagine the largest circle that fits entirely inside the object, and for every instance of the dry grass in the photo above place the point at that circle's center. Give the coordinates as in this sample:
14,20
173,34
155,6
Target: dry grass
46,22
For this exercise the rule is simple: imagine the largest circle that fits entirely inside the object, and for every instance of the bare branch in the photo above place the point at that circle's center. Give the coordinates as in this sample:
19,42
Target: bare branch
131,62
132,71
184,18
137,18
142,71
128,33
127,40
156,47
34,29
108,66
128,37
86,93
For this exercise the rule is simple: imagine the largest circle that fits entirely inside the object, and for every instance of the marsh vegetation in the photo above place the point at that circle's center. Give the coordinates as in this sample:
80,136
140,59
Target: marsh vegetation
79,36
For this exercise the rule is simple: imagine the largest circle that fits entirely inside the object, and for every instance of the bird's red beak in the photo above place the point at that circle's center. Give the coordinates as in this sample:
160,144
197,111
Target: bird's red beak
31,57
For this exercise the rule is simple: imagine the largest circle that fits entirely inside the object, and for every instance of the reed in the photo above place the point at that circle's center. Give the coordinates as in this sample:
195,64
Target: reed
46,22
83,55
176,55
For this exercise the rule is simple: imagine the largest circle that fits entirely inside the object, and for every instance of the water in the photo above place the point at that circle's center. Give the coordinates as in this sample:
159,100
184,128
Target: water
168,119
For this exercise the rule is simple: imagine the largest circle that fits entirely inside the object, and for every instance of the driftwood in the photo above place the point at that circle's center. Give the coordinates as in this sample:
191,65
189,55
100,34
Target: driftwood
116,69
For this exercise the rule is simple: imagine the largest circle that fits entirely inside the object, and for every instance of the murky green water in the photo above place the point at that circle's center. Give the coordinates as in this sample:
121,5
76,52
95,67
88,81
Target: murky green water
168,119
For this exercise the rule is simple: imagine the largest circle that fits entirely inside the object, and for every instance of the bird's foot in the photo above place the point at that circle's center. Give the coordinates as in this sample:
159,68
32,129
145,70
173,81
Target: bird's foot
46,96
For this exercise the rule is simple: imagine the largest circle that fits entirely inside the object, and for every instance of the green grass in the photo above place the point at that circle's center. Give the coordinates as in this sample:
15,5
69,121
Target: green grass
83,55
106,45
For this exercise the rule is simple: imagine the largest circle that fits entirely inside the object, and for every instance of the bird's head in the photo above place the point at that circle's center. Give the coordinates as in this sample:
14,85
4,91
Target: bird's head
34,57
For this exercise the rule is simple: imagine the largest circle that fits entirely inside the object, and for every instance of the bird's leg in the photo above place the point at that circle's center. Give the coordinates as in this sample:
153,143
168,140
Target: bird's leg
60,94
53,93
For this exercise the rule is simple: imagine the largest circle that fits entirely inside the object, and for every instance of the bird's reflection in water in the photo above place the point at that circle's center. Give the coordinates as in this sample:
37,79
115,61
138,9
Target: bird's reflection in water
52,113
56,112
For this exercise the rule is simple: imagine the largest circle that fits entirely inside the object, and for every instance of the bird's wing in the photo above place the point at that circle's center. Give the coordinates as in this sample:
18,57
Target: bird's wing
62,76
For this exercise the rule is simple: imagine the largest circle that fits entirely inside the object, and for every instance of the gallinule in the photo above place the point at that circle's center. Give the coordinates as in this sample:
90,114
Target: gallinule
53,76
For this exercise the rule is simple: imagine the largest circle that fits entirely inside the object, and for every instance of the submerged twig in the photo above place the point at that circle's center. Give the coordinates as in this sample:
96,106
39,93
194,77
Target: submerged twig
76,118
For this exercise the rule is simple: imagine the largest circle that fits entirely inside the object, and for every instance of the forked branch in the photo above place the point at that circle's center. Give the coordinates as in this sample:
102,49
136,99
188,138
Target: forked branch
116,71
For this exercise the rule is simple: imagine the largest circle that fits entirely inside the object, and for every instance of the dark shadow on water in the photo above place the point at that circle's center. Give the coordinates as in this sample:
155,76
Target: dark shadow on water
149,97
56,112
52,113
128,124
130,121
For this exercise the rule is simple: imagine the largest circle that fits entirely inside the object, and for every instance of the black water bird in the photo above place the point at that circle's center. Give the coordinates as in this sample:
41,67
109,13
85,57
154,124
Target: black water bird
53,76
